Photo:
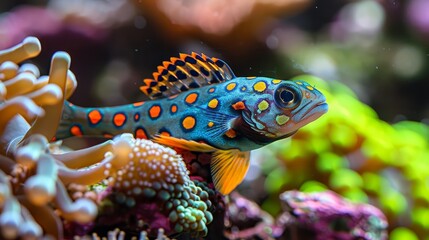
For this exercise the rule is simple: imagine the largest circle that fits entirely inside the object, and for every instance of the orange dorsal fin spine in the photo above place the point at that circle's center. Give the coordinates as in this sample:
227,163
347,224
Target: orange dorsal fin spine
185,72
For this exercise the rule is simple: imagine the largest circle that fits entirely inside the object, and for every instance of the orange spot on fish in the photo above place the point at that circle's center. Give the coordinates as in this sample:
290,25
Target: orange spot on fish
138,104
119,119
136,117
191,98
211,90
239,105
76,131
231,133
140,133
154,111
94,116
173,108
165,134
188,122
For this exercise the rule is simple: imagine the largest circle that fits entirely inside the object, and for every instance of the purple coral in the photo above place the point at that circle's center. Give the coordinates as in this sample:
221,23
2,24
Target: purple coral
154,187
325,215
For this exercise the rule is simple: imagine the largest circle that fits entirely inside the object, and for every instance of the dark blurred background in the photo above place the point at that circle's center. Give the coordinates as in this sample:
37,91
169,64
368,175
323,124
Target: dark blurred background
378,48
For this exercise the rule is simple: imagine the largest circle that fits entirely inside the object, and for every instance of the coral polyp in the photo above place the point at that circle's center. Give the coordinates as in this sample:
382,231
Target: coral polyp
121,187
29,173
46,191
157,176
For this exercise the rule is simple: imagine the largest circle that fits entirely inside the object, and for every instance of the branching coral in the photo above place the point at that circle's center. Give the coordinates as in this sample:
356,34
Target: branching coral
143,175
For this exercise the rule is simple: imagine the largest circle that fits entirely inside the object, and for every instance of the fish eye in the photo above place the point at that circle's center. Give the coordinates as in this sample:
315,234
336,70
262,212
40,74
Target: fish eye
286,97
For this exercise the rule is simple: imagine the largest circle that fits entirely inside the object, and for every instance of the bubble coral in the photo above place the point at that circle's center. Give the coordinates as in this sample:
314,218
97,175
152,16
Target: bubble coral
156,176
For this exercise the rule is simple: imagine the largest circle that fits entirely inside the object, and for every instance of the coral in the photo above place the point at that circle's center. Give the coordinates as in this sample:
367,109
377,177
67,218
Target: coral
156,180
53,185
132,184
31,107
245,220
118,234
319,215
365,160
325,215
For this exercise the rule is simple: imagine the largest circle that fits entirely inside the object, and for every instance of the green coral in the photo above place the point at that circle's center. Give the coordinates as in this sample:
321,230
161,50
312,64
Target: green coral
157,174
350,150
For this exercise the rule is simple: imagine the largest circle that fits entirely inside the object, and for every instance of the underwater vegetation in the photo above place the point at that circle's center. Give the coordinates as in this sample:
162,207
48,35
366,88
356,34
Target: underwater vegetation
363,149
134,185
46,190
365,160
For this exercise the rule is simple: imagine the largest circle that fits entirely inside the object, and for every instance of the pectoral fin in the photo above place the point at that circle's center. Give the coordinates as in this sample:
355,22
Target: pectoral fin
228,168
184,144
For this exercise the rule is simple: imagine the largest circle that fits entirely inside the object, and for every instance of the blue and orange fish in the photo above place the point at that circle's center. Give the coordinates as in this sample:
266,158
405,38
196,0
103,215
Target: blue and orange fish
198,104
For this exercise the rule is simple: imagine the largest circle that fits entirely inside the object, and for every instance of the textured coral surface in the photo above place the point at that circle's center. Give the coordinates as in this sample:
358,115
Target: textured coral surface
116,188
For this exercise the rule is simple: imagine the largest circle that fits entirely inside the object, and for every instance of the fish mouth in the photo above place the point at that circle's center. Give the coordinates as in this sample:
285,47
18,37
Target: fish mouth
316,111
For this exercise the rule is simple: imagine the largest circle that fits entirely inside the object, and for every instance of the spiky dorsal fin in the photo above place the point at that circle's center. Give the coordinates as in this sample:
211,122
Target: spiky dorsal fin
184,73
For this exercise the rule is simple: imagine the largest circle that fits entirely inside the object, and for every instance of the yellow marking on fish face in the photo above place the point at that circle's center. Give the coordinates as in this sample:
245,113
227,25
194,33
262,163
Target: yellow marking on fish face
213,103
263,105
210,124
282,119
188,122
231,86
250,78
260,86
299,83
243,89
310,88
276,81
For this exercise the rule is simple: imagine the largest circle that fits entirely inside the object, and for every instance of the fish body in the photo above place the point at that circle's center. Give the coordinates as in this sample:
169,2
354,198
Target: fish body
200,105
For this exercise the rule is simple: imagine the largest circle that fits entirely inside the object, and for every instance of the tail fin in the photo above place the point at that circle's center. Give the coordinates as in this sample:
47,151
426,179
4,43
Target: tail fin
68,118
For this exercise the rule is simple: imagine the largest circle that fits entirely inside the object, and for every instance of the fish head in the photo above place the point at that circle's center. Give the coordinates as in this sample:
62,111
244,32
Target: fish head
283,107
